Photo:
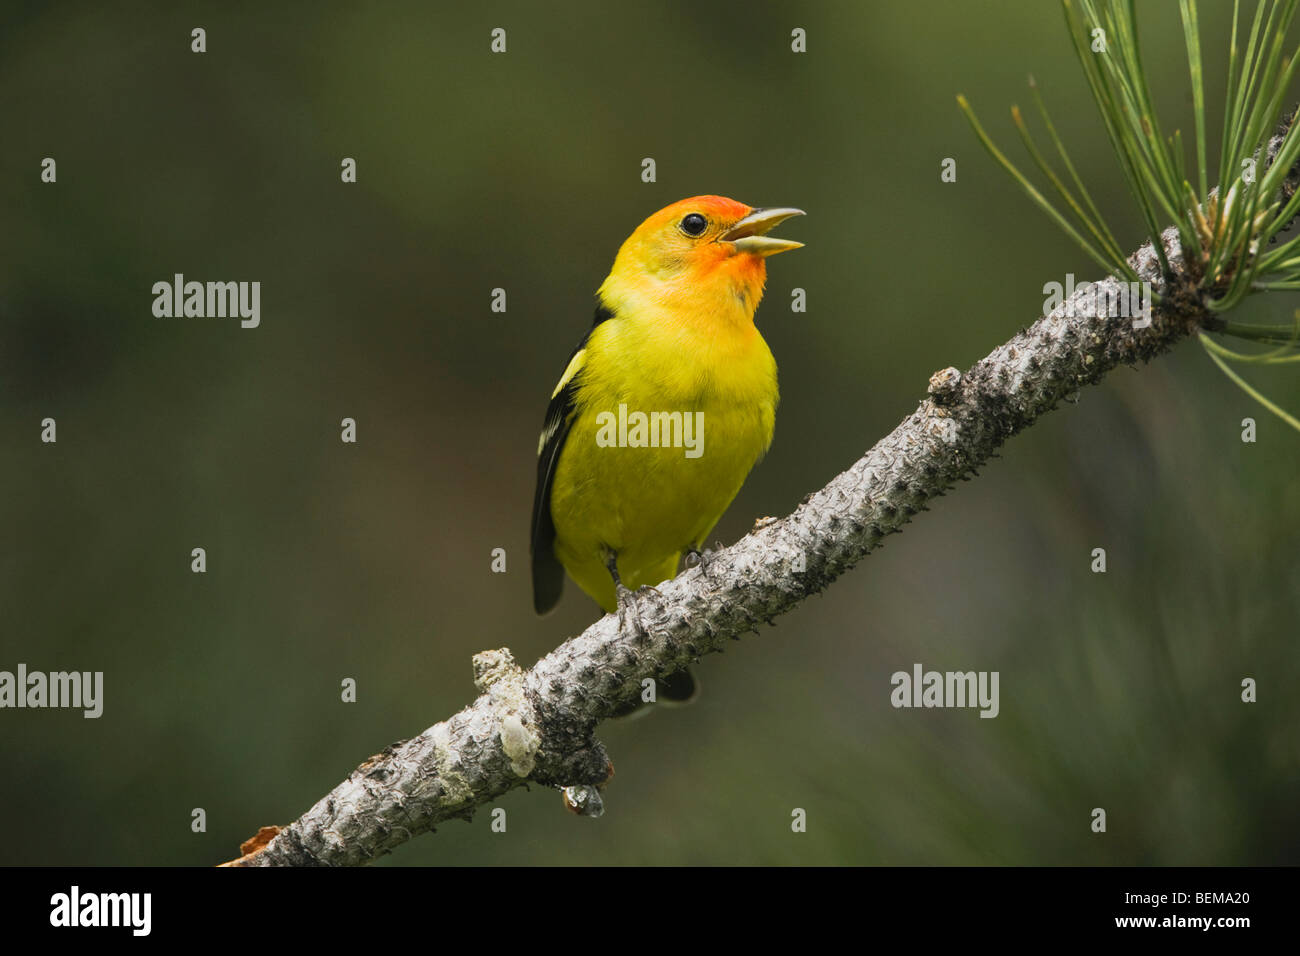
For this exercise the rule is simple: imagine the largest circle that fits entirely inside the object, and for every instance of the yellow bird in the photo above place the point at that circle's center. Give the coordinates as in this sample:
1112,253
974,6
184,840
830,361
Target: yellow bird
666,404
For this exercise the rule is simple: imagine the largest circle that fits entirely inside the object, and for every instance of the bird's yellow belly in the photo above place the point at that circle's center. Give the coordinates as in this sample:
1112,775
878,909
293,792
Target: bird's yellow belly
649,504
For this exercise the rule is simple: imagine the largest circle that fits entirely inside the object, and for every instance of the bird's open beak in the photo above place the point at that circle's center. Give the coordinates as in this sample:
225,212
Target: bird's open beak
748,235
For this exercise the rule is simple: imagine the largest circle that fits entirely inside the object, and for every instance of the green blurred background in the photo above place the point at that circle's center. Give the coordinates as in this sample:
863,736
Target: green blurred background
371,561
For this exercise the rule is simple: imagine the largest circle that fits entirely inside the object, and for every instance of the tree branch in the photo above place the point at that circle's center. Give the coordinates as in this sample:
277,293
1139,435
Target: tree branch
538,726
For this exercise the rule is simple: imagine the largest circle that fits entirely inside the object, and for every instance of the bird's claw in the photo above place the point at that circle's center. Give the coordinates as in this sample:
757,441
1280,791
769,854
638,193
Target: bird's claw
627,610
703,558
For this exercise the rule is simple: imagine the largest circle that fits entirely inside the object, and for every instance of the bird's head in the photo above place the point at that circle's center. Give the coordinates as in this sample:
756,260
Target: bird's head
706,252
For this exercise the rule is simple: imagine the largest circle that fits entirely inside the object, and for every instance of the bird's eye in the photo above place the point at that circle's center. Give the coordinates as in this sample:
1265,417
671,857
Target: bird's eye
694,224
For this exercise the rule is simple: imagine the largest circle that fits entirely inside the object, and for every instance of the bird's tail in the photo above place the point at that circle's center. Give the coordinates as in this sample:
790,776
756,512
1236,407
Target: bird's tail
678,688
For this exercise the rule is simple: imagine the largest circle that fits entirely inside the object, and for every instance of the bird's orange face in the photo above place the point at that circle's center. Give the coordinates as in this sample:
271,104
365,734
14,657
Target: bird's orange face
703,248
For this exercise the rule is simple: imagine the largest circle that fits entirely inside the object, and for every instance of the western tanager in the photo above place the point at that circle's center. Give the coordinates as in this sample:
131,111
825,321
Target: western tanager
663,408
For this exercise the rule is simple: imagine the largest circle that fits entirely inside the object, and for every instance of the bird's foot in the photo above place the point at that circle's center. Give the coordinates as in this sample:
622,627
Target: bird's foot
702,559
631,628
653,593
629,618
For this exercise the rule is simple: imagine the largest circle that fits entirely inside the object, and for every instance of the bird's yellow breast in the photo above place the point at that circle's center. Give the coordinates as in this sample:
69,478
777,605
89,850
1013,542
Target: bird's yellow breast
705,394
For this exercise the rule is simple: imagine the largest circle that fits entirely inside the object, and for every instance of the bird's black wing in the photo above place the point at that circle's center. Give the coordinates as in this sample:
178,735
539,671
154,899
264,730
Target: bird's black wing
548,573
